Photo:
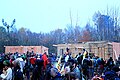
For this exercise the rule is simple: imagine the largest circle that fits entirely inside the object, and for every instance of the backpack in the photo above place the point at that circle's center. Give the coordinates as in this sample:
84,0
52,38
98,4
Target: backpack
70,57
85,64
90,63
18,75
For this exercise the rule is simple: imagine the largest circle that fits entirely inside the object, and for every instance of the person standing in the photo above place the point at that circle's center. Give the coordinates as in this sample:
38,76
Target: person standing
45,59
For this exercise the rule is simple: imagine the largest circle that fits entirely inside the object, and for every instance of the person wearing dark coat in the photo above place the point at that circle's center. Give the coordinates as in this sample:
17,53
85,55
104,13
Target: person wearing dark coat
113,74
38,73
18,75
110,63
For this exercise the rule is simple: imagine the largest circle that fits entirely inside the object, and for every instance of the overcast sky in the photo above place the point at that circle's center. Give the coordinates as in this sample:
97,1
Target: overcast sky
48,15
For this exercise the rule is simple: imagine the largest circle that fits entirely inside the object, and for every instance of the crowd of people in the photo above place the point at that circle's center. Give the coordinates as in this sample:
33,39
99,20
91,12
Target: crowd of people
31,66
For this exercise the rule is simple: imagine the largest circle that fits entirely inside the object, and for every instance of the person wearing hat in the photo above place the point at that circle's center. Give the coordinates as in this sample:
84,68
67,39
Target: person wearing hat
21,62
7,71
67,55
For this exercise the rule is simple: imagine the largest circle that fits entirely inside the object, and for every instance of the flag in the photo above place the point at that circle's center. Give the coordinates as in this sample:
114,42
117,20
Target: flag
84,54
62,70
58,64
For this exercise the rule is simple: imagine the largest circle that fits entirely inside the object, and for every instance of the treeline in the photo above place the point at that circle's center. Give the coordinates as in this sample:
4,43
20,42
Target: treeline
106,27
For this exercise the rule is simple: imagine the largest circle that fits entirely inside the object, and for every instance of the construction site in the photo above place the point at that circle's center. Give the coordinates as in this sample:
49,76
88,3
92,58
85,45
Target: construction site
102,49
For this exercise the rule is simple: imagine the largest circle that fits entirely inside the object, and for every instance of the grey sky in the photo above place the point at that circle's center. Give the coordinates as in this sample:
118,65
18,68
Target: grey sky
47,15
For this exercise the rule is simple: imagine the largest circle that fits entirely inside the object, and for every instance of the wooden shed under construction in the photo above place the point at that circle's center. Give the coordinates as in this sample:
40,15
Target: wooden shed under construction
102,49
24,49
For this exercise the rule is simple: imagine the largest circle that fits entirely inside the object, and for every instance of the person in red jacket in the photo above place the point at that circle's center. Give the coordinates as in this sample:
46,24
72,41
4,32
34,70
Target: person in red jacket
32,60
45,59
